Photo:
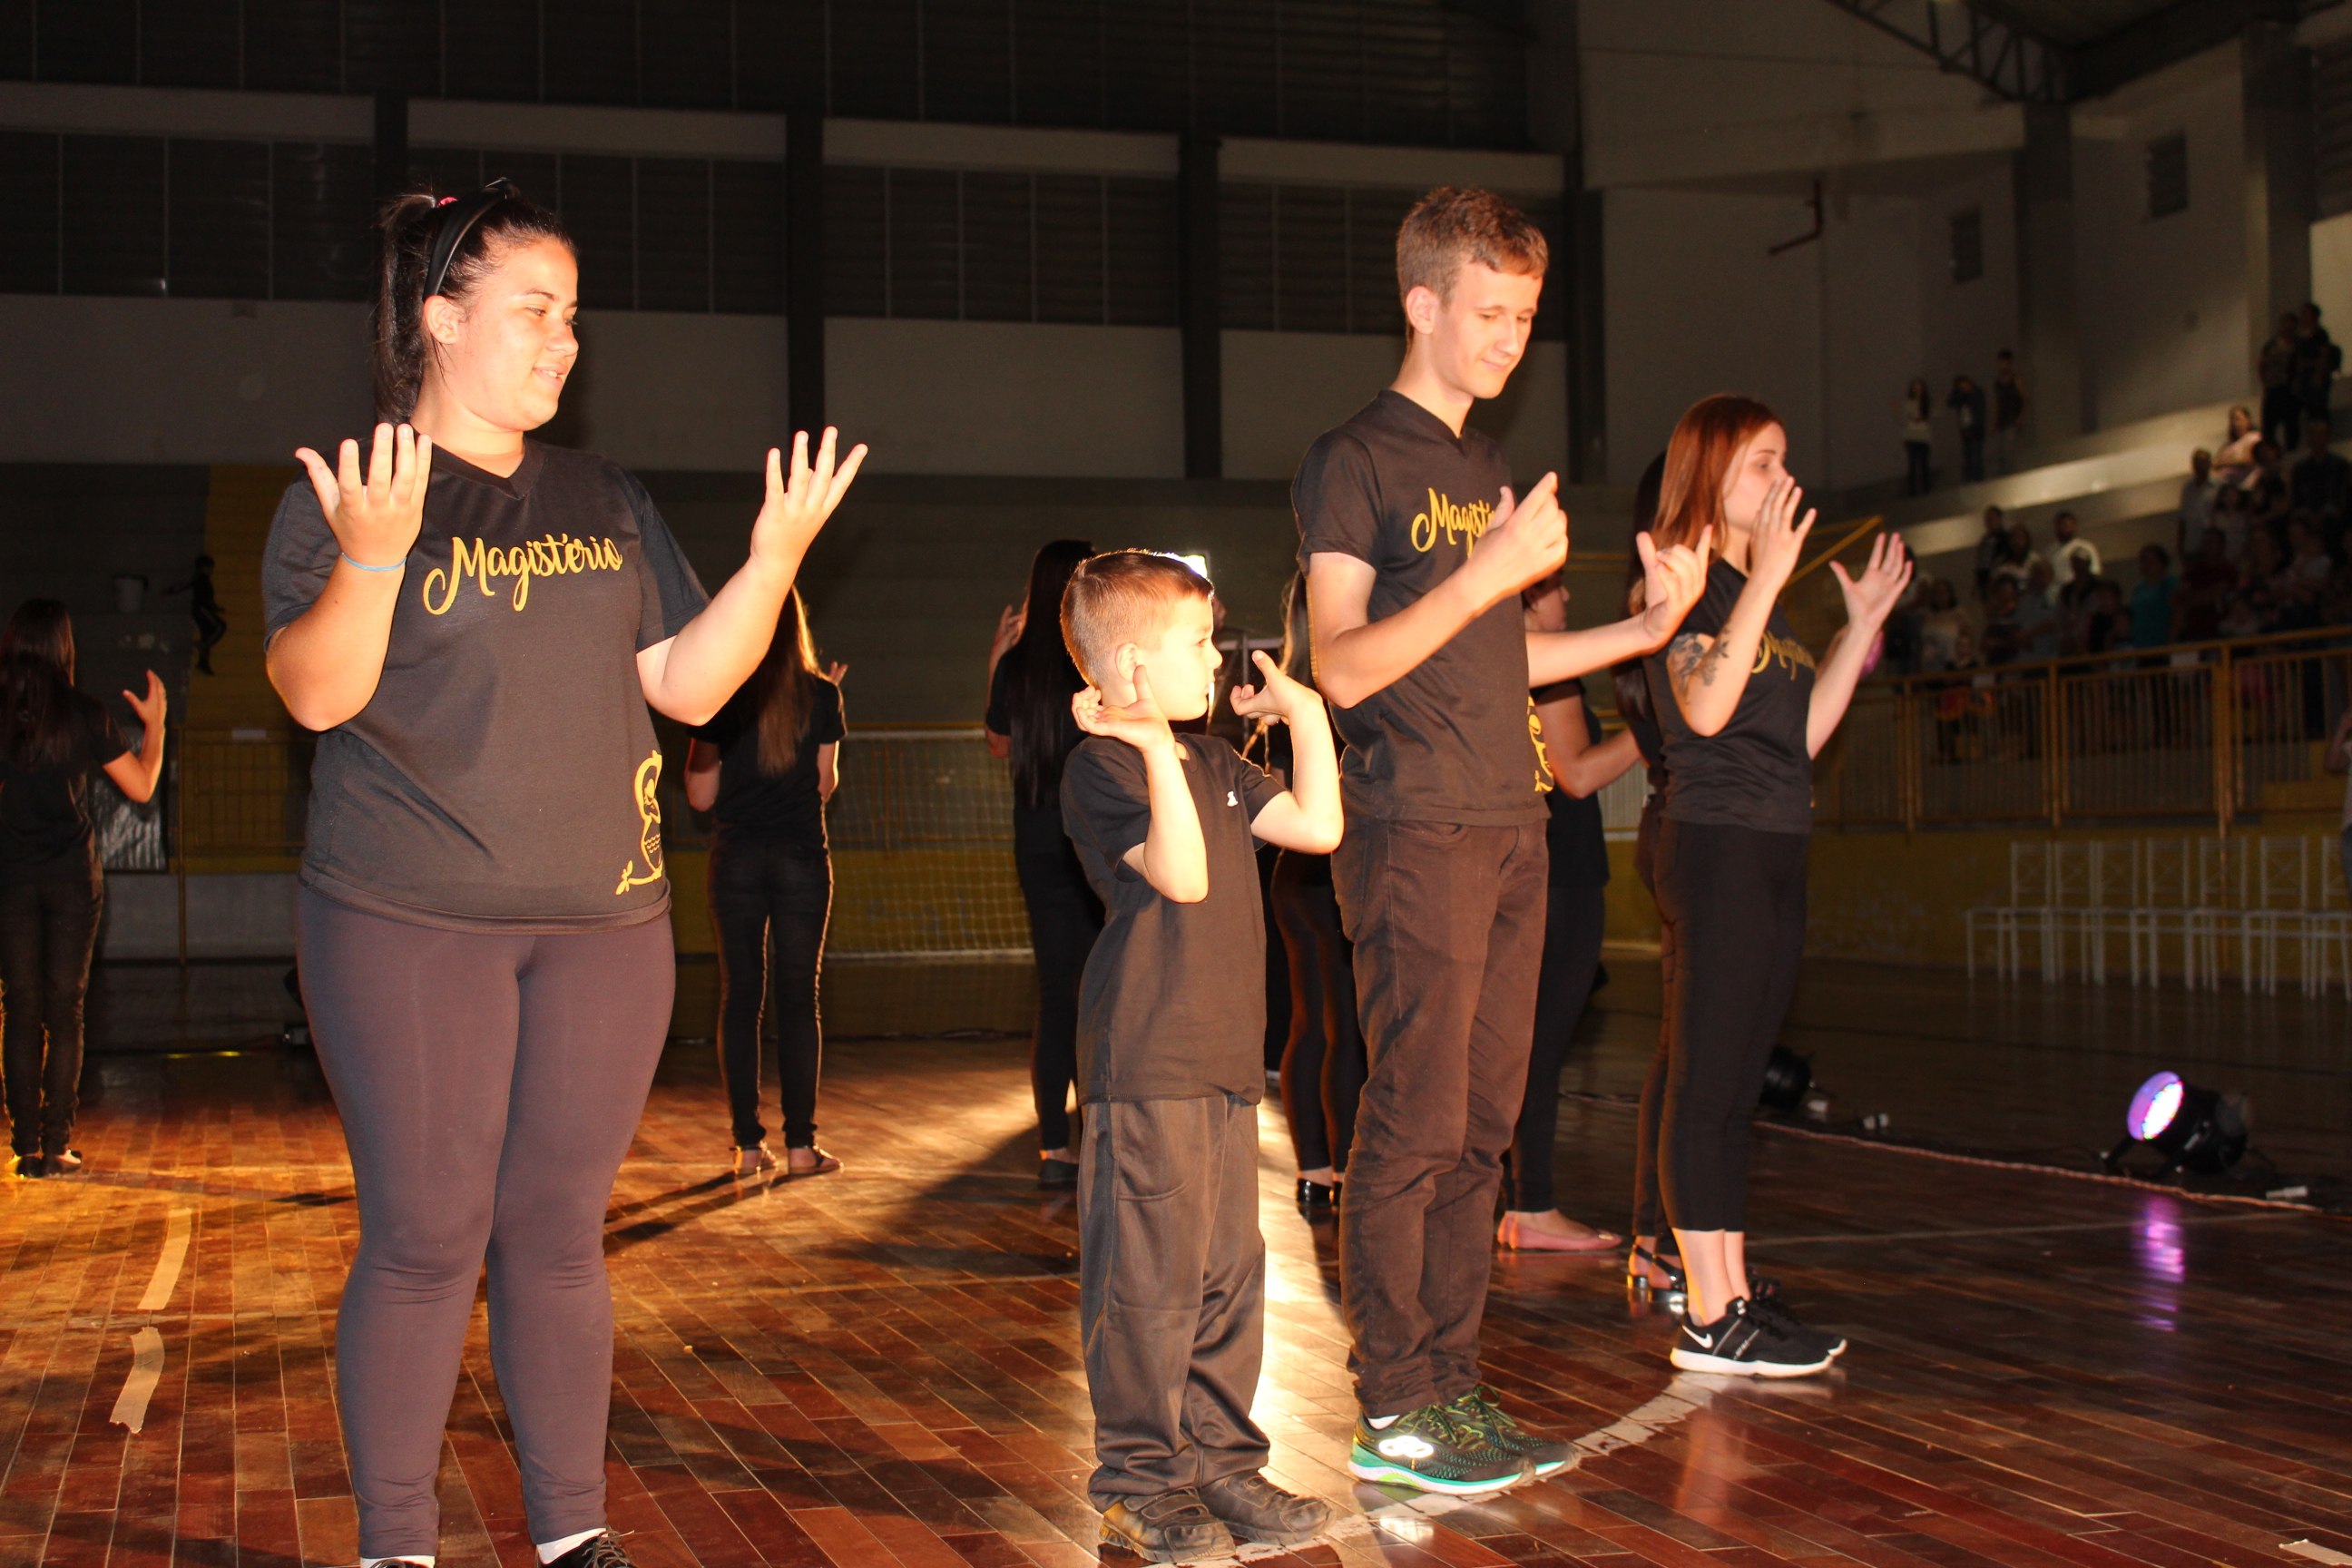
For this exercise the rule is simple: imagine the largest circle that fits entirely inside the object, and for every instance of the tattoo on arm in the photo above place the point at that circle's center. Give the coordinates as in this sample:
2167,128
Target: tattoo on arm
1689,654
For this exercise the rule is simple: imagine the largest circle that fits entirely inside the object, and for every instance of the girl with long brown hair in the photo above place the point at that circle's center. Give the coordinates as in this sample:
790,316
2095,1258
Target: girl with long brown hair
1743,709
764,769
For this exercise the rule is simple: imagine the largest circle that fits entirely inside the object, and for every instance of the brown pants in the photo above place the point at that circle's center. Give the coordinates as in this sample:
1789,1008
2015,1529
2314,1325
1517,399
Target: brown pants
1448,923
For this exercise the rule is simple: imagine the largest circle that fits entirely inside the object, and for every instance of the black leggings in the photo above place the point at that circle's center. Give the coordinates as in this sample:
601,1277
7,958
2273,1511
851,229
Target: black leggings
1064,918
762,890
1574,919
49,926
1323,1056
1649,1210
489,1086
1732,903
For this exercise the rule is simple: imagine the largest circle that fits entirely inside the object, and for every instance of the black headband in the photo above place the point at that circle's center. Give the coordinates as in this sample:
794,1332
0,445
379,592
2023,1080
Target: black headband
459,215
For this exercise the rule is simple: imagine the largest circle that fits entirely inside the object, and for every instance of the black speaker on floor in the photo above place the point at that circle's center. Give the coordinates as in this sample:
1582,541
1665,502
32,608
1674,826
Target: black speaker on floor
1787,1076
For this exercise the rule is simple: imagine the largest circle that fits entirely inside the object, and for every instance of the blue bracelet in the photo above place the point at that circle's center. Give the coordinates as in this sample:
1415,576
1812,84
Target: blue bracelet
365,567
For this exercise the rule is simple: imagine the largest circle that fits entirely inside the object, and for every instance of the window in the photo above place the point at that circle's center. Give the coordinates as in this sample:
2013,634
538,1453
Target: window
1967,245
2167,176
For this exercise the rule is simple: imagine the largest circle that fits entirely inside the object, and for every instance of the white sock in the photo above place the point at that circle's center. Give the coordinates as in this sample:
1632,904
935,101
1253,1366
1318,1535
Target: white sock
426,1561
1380,1422
548,1550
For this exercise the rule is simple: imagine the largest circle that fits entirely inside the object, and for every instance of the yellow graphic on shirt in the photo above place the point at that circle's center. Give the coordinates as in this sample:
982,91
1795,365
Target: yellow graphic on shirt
552,555
1454,520
1786,652
1544,781
648,783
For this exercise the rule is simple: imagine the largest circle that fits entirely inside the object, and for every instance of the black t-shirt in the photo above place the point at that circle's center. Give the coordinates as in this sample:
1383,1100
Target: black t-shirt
504,772
773,807
1447,742
1036,829
1579,854
1755,771
1162,1014
45,811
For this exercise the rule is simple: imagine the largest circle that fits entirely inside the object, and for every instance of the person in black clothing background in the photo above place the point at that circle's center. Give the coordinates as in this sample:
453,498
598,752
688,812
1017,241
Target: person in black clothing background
1323,1051
764,769
1578,763
204,609
1742,709
1030,681
52,887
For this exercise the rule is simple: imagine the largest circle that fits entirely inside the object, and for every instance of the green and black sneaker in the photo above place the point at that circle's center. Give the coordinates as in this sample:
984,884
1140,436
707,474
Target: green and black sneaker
1433,1449
1479,1411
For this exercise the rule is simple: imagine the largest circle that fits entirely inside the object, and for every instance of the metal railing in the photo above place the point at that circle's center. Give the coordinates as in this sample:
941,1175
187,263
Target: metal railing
2213,729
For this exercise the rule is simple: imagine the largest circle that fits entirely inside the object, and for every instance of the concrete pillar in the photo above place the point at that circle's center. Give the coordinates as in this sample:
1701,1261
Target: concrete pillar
1575,287
1200,309
2280,193
2050,339
804,270
391,144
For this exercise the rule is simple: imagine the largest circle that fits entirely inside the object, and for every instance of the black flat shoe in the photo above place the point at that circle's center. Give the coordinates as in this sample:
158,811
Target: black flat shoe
1053,1173
1318,1195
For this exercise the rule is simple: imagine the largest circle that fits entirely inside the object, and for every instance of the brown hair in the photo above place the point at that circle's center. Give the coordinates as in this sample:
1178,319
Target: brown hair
407,228
1707,439
36,671
1454,224
1122,595
783,689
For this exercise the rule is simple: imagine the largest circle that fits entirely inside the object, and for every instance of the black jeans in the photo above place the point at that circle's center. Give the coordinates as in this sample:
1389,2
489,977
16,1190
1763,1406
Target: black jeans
1323,1057
1064,918
1574,919
1972,467
489,1086
1732,900
49,927
1448,925
1916,479
766,891
1172,1292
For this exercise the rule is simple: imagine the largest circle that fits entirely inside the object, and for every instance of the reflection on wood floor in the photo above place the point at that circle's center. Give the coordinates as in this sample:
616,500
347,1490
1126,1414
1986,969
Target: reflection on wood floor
881,1366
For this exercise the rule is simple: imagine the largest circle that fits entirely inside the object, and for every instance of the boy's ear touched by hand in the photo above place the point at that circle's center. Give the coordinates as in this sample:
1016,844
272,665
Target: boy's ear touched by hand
1138,723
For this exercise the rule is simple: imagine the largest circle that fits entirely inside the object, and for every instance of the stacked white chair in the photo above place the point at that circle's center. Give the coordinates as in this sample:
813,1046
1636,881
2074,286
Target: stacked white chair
2031,883
2162,909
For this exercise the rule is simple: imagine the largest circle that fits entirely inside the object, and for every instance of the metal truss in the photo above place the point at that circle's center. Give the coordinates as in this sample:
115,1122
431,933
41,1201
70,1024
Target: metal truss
1960,38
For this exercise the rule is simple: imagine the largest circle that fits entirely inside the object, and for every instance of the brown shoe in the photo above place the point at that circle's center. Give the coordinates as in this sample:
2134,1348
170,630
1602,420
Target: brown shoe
1255,1509
1174,1527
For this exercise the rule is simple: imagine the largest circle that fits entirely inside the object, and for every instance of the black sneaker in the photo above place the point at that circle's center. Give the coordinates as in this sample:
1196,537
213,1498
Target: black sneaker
1479,1409
1174,1527
29,1167
1255,1509
1432,1449
1742,1343
601,1550
1772,1310
1053,1173
1318,1197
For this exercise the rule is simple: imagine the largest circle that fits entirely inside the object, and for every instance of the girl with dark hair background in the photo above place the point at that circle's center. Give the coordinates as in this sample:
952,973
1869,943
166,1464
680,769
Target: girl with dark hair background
764,769
477,625
1742,707
52,887
1030,681
1323,1049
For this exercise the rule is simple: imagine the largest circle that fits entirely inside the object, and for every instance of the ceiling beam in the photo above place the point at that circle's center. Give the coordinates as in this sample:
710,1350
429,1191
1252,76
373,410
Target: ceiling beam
2171,35
2006,59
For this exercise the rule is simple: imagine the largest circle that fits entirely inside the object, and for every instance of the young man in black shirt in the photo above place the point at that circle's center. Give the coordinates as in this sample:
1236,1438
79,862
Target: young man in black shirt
1171,1267
1415,550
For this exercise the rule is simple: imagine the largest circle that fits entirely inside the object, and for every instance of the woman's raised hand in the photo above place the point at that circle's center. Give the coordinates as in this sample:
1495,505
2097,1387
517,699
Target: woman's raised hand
376,518
1779,538
150,709
800,498
1871,597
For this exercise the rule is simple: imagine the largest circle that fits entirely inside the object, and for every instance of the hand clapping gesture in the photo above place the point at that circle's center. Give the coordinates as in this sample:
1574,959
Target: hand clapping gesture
1281,698
1671,581
1779,540
1871,597
1140,724
799,501
376,519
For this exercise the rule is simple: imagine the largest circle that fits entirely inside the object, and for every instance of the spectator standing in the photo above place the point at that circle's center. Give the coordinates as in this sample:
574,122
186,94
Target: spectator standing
2110,622
2282,410
2308,568
1989,546
1966,402
2067,544
2037,615
2016,557
2199,493
2316,361
2229,518
2007,410
2266,487
1918,435
1941,628
2235,461
2207,581
2003,634
2151,598
2077,603
2321,481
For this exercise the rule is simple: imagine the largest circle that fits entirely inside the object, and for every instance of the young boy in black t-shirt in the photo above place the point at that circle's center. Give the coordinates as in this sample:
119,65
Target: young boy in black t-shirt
1416,552
1171,1267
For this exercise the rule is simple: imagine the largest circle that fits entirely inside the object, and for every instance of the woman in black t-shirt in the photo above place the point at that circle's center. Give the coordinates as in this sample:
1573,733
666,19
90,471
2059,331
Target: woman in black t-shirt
52,887
1030,681
1742,709
764,768
477,625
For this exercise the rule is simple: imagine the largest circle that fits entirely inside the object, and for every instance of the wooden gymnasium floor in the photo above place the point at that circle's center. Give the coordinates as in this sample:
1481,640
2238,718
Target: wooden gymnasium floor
881,1367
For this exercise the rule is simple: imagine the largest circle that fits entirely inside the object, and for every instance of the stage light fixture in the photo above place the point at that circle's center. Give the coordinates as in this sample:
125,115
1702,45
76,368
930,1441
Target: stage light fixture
2194,1129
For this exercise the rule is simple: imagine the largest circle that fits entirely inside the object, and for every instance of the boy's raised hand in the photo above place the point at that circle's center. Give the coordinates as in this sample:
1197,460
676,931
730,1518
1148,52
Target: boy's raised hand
1279,697
1526,541
1140,724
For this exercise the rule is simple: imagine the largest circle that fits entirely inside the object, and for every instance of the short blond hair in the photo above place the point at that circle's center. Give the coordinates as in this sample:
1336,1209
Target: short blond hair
1454,224
1121,596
